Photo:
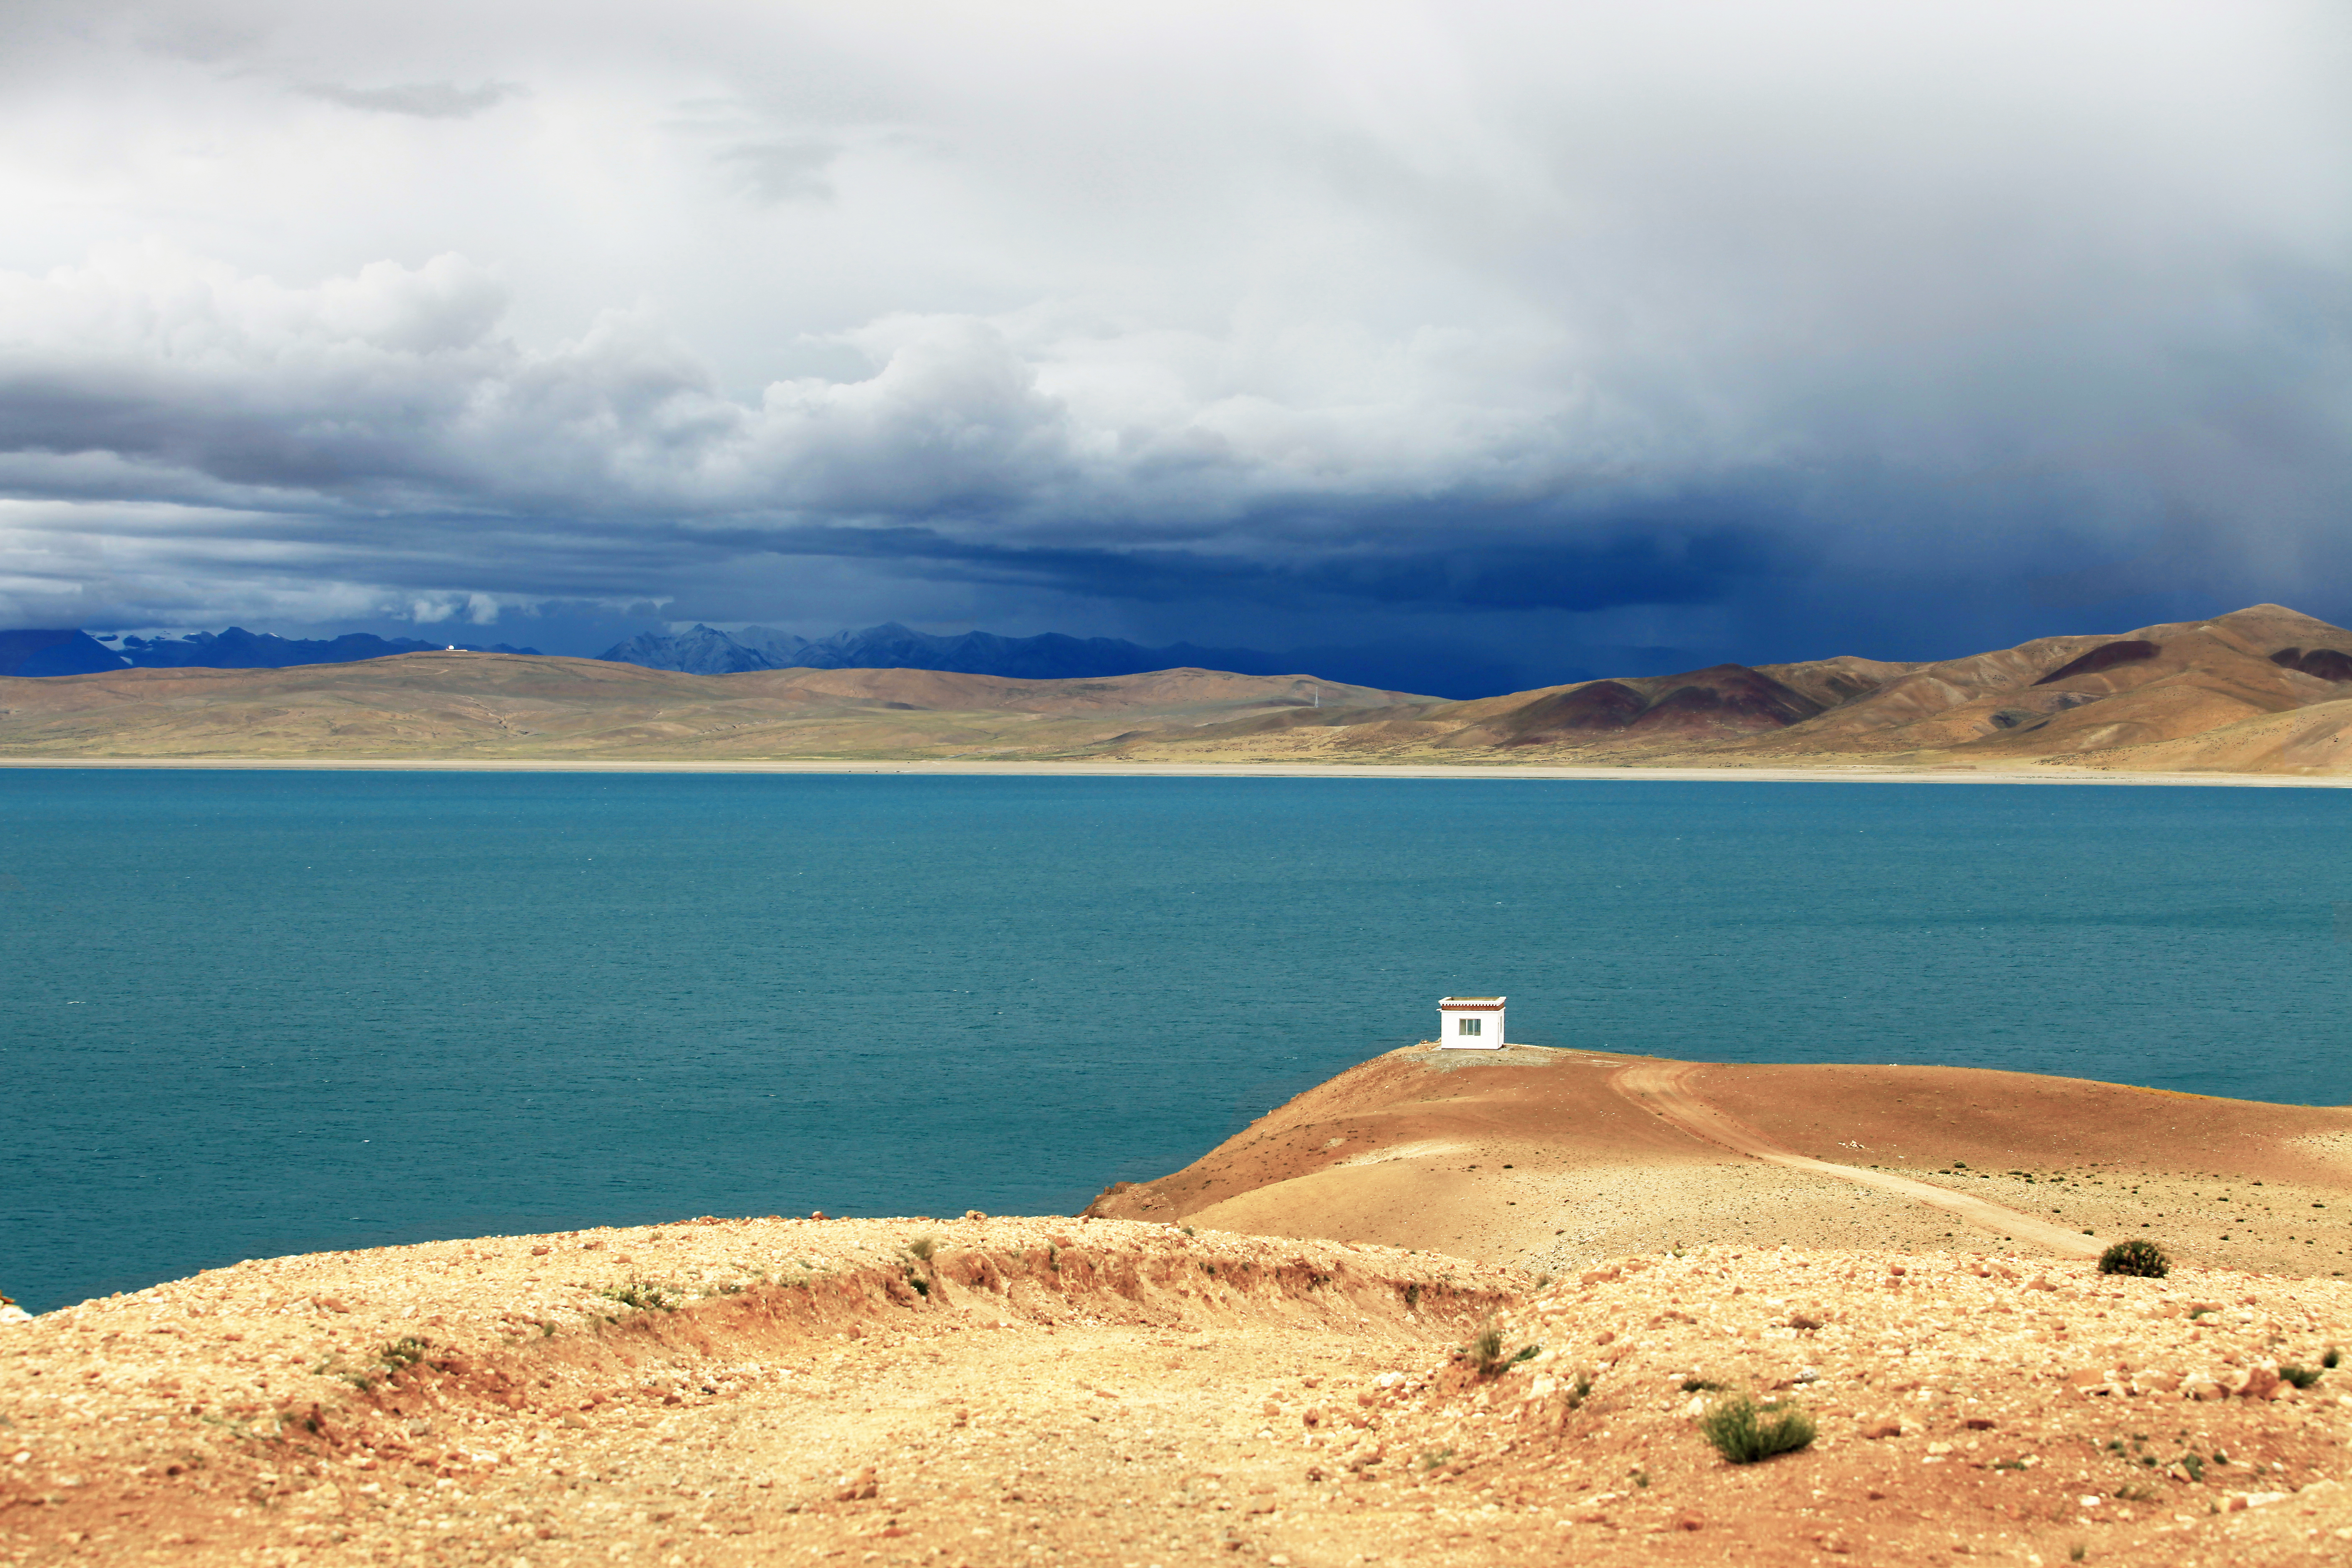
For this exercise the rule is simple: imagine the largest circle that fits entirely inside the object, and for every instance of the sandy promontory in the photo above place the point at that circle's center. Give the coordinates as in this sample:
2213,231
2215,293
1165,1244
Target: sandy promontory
1163,1390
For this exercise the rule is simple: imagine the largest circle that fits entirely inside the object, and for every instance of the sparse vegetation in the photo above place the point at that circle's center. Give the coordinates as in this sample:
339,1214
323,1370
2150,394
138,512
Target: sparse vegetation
335,1367
2301,1376
1743,1431
642,1294
2332,1359
921,1249
1486,1355
1699,1385
406,1352
2138,1258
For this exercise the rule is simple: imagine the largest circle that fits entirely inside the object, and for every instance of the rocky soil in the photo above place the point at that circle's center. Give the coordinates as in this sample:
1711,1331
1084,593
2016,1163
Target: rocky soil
1033,1391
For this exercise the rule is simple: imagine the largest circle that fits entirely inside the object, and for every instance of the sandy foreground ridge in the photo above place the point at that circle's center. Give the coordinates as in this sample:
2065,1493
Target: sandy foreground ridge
1132,1390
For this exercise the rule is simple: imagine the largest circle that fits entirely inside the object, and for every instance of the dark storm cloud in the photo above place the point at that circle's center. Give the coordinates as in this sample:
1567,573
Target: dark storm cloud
1643,563
1691,325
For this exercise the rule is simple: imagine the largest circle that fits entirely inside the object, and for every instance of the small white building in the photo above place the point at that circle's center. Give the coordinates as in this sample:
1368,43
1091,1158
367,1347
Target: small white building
1470,1022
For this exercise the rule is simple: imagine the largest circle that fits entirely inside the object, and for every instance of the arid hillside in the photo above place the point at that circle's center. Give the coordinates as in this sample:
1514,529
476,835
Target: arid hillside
462,706
2264,690
986,1392
1539,1158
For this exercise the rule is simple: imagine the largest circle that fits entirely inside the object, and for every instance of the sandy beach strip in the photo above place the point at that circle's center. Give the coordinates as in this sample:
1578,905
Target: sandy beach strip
1193,770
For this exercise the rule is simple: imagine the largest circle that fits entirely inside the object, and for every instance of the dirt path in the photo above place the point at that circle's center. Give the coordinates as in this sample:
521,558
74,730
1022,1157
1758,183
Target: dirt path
1663,1088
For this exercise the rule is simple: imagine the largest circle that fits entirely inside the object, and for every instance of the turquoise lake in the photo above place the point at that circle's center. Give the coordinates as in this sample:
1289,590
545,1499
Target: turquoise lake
258,1013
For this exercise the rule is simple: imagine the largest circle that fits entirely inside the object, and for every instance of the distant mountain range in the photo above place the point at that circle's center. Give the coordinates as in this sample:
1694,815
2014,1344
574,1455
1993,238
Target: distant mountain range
705,650
2263,690
71,652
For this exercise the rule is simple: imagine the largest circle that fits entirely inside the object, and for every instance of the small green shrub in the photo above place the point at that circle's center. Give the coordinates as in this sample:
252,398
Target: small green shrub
922,1247
1743,1432
2138,1257
1486,1354
2301,1376
2332,1359
1699,1385
404,1352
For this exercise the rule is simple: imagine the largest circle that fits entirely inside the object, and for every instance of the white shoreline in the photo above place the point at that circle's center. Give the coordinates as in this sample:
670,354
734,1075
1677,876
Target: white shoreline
1195,769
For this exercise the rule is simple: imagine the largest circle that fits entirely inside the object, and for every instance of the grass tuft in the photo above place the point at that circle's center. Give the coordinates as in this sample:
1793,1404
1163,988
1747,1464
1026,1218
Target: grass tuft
2138,1257
1743,1432
404,1352
2301,1376
642,1294
1487,1356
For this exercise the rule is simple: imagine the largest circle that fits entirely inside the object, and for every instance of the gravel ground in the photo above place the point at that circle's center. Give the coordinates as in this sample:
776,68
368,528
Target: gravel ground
1047,1390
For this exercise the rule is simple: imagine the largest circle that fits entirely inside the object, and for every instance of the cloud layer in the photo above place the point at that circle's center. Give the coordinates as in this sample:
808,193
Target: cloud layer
1713,326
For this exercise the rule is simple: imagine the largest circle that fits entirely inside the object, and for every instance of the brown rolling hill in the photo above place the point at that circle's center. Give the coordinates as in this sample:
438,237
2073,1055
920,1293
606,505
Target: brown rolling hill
1537,1158
460,705
2260,690
2263,690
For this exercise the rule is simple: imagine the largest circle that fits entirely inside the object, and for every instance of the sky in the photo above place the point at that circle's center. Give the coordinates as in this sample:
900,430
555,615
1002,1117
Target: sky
1534,340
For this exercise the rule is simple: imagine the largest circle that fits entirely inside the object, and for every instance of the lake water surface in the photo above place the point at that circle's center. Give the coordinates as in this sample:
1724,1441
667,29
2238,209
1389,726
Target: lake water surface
244,1014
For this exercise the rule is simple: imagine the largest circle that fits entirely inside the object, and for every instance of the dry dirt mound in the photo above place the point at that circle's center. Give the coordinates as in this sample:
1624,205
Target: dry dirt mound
1540,1158
688,1393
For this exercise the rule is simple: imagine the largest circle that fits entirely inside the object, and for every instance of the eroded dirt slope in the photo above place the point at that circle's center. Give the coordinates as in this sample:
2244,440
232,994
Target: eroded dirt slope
1064,1391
